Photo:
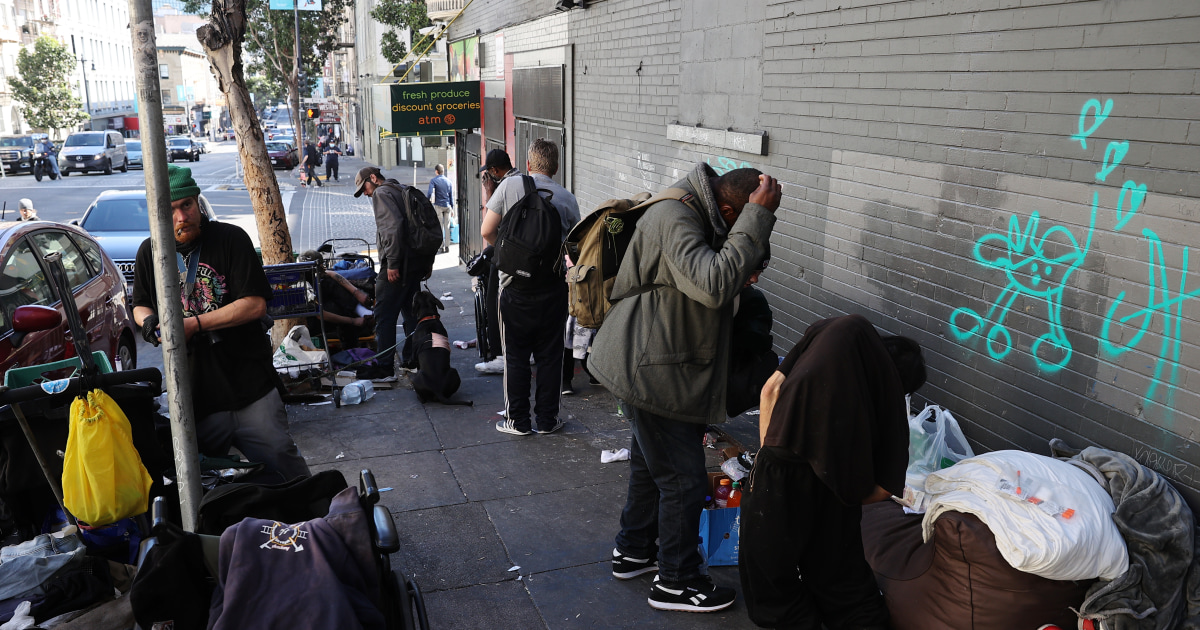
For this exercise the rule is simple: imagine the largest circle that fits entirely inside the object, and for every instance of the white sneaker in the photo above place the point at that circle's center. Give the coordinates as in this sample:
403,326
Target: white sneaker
495,366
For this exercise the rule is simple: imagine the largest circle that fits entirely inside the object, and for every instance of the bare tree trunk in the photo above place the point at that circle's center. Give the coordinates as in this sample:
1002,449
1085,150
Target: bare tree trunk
222,41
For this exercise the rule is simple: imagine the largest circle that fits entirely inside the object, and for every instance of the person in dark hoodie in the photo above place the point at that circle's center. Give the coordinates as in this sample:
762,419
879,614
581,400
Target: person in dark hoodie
834,431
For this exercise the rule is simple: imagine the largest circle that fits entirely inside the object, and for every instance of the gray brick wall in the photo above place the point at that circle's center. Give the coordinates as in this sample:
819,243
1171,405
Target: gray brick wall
917,141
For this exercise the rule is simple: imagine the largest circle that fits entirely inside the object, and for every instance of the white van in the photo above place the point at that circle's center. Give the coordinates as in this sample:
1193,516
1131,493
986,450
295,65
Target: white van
93,151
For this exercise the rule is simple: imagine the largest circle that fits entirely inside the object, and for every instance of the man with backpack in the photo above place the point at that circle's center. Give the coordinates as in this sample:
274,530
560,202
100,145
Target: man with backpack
408,237
310,162
664,351
527,219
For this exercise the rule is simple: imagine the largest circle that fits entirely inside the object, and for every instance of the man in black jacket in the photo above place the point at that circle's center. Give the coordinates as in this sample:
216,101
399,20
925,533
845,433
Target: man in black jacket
400,271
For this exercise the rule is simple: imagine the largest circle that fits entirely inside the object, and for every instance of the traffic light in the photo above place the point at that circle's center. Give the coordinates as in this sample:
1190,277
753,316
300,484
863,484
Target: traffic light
313,112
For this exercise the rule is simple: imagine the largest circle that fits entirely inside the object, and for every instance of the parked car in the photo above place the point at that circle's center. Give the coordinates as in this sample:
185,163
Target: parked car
286,139
16,152
283,155
120,220
97,288
133,150
184,148
203,146
93,151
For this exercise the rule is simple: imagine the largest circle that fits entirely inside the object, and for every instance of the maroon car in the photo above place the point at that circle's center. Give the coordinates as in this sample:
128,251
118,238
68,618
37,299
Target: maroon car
283,155
97,286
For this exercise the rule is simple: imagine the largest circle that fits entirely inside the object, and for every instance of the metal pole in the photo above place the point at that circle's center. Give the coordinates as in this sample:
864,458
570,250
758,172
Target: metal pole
166,274
296,119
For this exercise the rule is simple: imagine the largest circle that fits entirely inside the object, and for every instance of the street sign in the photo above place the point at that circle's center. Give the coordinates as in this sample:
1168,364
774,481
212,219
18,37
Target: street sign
428,108
288,5
314,101
329,118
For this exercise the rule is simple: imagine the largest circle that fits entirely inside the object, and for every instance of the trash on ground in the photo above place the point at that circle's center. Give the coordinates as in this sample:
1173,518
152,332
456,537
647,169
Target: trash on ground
340,455
609,456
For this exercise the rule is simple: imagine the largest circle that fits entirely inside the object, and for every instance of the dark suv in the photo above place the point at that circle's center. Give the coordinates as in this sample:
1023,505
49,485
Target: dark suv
182,148
16,152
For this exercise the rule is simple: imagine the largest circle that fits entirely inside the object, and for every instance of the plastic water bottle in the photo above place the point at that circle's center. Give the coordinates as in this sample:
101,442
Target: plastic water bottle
352,393
722,495
357,391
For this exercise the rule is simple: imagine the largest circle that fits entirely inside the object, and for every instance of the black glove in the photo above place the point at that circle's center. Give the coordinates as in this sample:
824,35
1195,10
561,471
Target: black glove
150,329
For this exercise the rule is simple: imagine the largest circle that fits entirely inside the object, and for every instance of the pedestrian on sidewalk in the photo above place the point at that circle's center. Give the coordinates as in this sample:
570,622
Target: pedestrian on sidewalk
235,388
532,318
310,162
332,154
834,430
442,195
496,167
664,352
400,271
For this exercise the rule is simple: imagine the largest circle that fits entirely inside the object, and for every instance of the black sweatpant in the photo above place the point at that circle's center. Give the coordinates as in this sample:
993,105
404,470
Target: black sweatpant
491,304
801,554
531,324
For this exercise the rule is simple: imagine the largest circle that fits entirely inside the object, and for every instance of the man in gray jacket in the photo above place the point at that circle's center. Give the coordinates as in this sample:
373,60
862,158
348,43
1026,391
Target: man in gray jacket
664,351
400,271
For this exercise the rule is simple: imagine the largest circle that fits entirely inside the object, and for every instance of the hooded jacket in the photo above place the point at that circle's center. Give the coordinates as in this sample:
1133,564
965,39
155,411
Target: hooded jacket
664,346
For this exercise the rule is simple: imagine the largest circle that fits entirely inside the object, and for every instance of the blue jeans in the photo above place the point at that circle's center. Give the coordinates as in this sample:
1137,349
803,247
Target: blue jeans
393,300
667,486
26,566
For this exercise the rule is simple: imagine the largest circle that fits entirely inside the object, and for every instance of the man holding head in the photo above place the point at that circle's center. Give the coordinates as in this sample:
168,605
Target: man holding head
664,352
532,318
235,389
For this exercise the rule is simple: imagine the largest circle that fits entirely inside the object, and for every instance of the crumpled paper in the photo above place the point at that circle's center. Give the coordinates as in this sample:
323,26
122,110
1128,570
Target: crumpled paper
614,455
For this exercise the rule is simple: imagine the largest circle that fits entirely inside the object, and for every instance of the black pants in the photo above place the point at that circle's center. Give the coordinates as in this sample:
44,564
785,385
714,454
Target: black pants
531,323
801,554
331,169
491,304
311,172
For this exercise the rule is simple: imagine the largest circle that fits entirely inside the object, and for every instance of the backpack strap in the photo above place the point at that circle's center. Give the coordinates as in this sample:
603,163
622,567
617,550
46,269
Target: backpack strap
687,197
531,186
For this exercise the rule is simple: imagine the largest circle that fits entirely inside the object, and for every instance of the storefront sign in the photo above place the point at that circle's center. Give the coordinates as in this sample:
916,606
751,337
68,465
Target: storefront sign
428,108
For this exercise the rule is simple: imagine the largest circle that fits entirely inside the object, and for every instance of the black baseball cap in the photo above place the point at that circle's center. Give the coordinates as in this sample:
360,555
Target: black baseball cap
360,180
496,158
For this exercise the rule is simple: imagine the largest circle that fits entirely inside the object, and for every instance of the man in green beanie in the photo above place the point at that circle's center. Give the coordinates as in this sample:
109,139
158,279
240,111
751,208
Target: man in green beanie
235,389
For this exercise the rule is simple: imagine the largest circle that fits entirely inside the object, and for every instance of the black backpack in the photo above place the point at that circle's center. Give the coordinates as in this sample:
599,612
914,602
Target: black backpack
424,234
529,240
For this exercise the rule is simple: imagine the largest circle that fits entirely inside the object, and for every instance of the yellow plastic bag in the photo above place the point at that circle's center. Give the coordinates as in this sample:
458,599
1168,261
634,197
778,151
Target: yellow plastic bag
103,480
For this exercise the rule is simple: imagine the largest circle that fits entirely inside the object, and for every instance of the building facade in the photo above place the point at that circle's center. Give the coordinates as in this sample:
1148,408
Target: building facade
97,33
1013,185
188,87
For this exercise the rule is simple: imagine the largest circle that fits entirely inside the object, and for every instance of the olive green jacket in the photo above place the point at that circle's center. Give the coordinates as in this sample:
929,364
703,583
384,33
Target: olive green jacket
664,346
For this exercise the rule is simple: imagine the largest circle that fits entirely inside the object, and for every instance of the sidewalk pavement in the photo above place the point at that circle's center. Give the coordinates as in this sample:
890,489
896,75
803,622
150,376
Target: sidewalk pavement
471,503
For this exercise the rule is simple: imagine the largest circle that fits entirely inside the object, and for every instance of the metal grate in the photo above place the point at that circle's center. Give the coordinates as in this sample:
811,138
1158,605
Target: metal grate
538,93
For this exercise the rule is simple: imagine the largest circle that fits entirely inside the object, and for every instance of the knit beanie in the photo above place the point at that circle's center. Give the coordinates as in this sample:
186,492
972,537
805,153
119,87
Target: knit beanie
182,184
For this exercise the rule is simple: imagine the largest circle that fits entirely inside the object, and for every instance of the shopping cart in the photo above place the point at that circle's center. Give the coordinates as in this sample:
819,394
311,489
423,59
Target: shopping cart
297,293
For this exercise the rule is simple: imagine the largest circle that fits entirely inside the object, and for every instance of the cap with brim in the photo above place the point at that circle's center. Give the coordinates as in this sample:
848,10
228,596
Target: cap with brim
496,158
364,175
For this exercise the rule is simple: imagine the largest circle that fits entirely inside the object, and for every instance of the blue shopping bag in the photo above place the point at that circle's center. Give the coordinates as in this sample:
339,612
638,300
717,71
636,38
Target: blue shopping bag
719,536
453,232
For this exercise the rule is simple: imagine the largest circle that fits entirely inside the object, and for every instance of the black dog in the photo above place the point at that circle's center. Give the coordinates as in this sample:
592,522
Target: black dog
435,379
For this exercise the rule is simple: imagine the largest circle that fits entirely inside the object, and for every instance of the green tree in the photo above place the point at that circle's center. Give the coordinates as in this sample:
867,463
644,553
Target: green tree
270,43
266,92
42,86
398,15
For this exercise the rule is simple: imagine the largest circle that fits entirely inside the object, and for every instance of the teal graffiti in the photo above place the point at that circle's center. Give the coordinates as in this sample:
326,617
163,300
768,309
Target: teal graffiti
1113,154
1092,108
1137,194
1031,272
724,165
1161,303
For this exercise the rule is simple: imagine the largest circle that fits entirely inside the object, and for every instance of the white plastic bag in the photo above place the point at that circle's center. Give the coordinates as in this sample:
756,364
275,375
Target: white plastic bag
1049,518
935,441
295,351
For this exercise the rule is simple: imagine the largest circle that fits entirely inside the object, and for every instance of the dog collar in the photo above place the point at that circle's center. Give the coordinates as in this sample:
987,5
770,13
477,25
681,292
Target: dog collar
427,318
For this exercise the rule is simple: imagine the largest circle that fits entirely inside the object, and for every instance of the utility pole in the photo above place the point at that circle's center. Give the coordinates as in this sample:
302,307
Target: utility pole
166,273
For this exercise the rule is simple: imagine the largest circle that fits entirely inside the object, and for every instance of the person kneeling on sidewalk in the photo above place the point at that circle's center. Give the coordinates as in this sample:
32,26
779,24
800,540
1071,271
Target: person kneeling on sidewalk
834,432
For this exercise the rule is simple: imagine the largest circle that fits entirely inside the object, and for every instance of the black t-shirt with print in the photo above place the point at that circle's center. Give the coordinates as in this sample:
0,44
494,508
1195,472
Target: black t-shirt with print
230,368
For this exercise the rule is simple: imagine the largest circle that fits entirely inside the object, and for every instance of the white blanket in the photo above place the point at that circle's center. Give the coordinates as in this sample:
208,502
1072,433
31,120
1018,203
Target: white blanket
1050,518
